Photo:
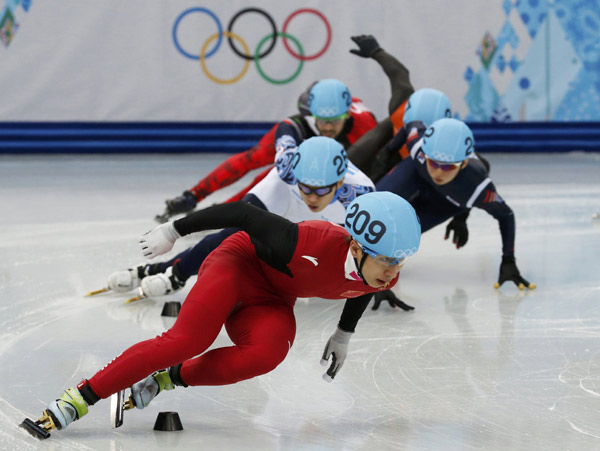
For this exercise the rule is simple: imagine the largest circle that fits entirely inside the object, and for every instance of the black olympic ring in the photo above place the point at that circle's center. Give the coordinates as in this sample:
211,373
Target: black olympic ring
273,26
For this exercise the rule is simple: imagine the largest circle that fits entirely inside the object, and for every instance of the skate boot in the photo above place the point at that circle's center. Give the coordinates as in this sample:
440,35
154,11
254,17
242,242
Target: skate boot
162,284
146,390
70,407
129,279
60,413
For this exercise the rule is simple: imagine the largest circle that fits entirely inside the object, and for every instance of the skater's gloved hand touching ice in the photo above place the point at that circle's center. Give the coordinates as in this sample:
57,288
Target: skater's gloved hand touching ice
367,45
159,240
337,349
391,298
181,204
510,272
458,226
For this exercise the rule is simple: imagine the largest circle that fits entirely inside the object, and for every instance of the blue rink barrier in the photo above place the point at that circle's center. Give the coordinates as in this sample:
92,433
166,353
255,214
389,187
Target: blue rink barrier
233,137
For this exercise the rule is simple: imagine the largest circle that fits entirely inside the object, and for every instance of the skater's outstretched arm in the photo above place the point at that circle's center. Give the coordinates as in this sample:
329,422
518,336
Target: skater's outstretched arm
397,73
336,347
363,151
274,237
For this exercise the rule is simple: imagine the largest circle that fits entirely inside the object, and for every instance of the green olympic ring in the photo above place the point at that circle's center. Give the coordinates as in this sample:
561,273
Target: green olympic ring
260,70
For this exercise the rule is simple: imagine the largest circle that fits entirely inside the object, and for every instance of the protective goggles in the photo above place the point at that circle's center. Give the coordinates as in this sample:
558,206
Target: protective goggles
321,191
443,166
331,121
381,259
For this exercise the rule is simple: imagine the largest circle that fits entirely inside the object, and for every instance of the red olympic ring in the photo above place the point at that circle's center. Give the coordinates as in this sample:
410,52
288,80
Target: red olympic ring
325,21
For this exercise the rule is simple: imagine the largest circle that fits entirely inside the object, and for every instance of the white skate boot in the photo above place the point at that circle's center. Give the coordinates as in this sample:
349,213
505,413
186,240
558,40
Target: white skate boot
129,279
161,284
123,281
146,390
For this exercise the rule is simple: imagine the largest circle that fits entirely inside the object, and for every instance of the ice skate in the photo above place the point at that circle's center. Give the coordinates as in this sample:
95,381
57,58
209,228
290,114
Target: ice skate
163,217
129,279
59,414
159,284
118,405
146,390
125,280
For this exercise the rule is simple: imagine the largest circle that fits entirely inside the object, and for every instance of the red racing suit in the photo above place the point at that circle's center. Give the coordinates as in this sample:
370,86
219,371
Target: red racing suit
249,284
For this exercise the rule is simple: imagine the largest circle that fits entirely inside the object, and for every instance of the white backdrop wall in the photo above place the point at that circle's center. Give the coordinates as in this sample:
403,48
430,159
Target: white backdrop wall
114,60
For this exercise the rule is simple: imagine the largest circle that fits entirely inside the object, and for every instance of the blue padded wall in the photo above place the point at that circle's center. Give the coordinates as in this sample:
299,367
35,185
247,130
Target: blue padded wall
151,137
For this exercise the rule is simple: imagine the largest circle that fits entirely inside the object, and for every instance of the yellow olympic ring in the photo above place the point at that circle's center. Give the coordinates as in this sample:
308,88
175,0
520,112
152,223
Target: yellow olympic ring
223,81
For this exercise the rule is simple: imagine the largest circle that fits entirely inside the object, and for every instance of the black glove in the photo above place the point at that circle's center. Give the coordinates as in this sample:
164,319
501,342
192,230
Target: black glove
389,296
367,45
458,225
181,204
509,271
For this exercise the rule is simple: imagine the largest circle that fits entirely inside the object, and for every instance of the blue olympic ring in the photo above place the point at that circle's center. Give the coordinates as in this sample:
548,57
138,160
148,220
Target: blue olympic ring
200,10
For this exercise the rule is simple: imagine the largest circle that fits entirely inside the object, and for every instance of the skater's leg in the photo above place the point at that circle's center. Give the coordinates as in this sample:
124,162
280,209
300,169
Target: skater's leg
201,317
189,262
173,278
262,336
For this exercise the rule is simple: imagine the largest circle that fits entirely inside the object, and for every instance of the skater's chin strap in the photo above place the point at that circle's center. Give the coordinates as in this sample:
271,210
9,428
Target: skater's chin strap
360,265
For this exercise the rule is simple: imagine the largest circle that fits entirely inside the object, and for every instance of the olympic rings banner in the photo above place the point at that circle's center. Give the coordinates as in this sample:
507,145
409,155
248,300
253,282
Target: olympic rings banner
260,51
234,60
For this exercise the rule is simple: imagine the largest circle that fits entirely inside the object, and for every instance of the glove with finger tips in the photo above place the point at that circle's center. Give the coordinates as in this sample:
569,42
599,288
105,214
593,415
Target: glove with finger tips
460,231
159,240
367,45
510,272
337,349
390,297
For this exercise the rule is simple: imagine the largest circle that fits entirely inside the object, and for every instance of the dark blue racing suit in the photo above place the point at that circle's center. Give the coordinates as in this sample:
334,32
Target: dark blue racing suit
434,203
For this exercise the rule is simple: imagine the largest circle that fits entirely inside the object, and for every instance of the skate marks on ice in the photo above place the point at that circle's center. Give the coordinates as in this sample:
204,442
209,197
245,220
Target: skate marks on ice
470,368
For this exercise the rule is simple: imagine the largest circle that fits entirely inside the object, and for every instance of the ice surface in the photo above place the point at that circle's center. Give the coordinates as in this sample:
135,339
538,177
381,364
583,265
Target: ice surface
472,368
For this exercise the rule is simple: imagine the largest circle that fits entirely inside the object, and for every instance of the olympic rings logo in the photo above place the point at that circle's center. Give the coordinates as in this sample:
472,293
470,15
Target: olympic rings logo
245,53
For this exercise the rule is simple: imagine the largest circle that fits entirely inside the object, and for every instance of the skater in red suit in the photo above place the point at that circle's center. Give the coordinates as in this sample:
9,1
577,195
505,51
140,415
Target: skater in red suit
354,121
249,284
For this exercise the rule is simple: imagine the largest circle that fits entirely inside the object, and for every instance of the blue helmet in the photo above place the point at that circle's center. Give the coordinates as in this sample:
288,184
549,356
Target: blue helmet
383,223
329,99
448,141
427,105
320,161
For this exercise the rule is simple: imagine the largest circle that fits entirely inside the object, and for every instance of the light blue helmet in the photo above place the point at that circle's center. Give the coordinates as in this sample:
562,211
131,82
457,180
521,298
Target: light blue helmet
448,141
320,161
427,105
385,224
329,99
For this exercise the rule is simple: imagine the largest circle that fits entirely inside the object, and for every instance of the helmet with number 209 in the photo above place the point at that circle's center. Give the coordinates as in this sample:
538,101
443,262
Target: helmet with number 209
320,161
383,223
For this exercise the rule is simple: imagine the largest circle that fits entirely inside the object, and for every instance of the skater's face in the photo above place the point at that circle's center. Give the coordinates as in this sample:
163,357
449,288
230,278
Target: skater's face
317,198
377,274
443,173
330,128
